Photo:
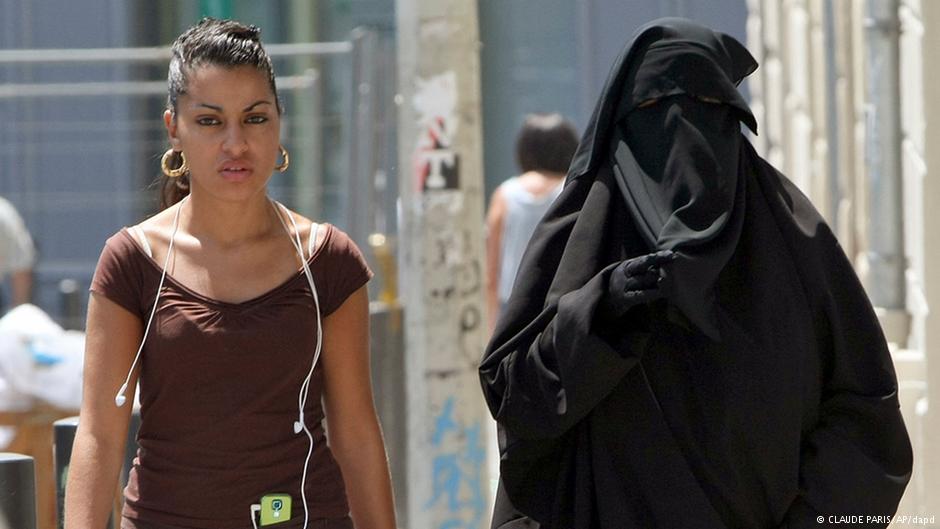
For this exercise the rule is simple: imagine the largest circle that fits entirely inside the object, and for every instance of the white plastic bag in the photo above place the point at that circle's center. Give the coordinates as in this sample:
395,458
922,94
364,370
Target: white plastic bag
39,360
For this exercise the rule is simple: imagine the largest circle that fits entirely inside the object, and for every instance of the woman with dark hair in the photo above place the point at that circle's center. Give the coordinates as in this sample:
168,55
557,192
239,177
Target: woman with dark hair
686,344
544,148
228,298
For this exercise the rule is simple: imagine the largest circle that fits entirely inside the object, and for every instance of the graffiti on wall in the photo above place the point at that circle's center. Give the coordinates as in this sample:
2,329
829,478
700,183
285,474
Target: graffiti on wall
451,285
436,162
457,471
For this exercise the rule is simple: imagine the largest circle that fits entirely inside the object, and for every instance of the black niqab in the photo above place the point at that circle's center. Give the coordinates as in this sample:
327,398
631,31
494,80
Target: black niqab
760,393
674,151
681,188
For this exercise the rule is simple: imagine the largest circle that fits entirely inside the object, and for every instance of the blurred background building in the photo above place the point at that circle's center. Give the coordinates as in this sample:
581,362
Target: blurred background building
843,98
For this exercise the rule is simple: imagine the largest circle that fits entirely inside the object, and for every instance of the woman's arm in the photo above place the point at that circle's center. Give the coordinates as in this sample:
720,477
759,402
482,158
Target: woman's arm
353,428
494,238
112,337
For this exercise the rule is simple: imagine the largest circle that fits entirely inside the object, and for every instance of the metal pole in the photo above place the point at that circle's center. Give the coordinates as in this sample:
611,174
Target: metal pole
886,284
311,186
360,184
99,89
71,299
441,188
305,176
17,491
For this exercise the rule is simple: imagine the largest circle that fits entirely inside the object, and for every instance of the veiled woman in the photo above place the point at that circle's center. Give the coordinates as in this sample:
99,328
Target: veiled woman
687,345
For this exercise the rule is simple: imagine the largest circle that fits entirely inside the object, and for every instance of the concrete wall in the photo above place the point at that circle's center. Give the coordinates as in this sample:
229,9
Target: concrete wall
920,101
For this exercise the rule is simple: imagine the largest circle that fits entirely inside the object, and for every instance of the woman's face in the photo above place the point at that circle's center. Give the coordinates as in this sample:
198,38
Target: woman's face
228,127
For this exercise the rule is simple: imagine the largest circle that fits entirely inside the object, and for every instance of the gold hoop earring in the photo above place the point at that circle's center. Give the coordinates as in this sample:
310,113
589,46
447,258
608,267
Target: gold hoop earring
286,163
165,164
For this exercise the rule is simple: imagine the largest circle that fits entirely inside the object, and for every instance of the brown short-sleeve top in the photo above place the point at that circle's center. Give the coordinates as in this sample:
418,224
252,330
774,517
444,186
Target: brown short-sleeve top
218,390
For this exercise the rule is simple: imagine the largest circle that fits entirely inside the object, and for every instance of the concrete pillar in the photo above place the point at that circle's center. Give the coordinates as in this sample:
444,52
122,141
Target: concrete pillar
441,187
924,197
844,146
798,138
773,79
819,107
860,192
755,85
886,254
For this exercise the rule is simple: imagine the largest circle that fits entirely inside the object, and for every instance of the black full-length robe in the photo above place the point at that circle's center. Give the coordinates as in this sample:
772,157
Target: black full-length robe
759,393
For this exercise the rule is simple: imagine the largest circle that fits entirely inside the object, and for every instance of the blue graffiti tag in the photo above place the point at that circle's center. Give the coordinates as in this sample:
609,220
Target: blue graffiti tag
459,470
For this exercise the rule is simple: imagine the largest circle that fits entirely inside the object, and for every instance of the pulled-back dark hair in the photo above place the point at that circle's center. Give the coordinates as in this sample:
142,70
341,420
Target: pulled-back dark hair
211,42
547,142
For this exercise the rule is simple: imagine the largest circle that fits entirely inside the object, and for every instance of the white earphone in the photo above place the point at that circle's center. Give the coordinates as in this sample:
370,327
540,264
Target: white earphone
120,399
299,425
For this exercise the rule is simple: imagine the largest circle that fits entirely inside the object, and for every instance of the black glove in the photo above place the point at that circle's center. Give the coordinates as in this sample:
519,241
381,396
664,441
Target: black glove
635,282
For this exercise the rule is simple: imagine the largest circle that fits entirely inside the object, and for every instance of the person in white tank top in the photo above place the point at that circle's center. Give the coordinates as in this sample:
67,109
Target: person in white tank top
544,149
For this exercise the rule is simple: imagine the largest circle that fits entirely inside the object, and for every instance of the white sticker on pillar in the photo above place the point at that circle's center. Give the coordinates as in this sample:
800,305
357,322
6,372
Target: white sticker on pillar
436,163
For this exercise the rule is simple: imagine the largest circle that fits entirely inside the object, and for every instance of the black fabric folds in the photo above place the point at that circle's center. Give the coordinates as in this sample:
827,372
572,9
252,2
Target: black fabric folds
758,394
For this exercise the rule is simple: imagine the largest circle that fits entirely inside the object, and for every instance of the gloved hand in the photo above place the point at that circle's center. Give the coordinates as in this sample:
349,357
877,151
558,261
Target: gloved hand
634,282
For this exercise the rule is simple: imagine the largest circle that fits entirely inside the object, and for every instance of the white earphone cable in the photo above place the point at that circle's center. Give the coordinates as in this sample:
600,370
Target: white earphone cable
301,424
120,398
